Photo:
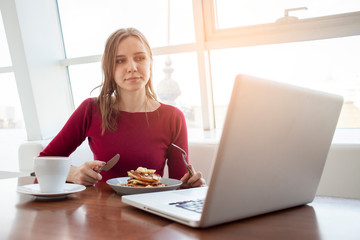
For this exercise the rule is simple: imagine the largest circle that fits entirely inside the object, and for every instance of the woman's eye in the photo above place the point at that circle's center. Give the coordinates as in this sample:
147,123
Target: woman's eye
120,60
139,58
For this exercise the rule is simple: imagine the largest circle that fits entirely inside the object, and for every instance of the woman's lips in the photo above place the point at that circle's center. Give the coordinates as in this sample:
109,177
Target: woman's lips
132,79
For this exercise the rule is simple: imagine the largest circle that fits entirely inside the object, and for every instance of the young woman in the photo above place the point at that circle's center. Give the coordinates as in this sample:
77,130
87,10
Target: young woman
126,118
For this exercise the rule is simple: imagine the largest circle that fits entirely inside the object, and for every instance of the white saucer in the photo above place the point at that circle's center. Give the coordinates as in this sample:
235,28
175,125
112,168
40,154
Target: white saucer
34,189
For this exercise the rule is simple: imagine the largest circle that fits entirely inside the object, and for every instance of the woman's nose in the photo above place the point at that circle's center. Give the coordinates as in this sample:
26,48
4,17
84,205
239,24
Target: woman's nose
131,66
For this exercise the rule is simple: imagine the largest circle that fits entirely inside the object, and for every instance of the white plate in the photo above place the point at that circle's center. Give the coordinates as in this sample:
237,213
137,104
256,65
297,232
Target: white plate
34,189
172,184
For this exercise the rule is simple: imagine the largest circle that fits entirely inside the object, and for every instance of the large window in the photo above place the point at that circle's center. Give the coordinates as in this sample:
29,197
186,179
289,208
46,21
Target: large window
164,23
86,35
236,13
205,44
308,43
84,79
10,108
5,60
182,88
12,131
328,65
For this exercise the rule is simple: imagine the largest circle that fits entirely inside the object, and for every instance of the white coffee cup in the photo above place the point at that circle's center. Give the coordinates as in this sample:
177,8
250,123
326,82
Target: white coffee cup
51,173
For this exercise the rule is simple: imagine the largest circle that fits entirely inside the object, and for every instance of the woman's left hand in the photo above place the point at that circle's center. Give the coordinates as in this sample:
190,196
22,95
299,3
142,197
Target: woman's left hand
196,180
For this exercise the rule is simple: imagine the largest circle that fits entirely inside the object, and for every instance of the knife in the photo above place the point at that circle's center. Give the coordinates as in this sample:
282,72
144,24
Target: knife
110,163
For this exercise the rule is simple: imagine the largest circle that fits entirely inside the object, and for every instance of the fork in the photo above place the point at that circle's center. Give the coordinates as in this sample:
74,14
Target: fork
184,159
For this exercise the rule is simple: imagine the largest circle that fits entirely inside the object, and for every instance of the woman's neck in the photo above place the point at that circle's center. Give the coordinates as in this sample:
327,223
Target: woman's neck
132,103
136,103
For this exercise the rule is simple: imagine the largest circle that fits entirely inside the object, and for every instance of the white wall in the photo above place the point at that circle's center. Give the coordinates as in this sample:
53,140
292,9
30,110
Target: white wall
341,176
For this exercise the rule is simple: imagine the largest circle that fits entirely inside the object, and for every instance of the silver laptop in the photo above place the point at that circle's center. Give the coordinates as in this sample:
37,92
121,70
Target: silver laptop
271,155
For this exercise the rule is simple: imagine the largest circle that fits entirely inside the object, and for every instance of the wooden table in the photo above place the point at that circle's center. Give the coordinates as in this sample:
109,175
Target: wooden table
98,213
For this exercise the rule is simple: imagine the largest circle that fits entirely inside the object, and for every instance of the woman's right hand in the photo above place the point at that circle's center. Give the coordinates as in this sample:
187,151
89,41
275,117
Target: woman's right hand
86,174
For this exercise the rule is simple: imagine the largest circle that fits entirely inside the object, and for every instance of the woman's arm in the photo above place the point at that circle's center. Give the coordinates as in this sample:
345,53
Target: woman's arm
177,168
73,132
69,138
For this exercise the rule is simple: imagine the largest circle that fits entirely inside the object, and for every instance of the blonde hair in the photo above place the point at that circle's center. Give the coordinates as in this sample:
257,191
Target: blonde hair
109,94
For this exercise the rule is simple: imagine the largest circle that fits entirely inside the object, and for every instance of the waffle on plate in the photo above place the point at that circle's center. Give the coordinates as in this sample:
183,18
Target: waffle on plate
143,177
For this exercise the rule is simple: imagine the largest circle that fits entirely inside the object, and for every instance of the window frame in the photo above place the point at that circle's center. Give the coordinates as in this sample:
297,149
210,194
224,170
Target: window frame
331,26
8,69
207,38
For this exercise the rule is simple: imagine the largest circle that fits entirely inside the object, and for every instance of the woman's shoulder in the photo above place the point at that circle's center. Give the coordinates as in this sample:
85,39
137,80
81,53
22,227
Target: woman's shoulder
89,102
88,105
170,109
85,111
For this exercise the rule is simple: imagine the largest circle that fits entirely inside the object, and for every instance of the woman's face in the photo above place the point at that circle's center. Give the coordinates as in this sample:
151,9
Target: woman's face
133,63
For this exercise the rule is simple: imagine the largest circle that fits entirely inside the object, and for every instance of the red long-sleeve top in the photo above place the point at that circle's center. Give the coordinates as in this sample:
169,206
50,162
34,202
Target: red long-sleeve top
141,139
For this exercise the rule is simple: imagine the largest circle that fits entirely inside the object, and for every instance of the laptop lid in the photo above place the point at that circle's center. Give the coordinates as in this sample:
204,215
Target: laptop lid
271,155
273,148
